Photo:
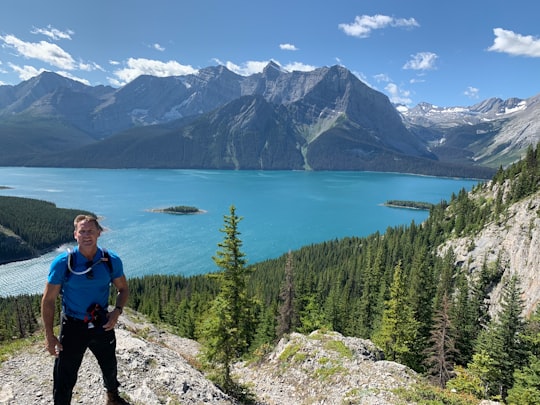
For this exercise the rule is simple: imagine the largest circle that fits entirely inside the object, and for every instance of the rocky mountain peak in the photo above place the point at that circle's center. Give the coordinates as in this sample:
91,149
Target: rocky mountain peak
497,106
272,70
361,127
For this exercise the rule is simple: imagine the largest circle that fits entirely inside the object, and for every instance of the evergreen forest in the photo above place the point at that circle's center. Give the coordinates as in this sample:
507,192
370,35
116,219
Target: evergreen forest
420,308
31,227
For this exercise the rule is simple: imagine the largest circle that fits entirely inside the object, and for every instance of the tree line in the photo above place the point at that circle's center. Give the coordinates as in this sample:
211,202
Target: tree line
29,227
422,309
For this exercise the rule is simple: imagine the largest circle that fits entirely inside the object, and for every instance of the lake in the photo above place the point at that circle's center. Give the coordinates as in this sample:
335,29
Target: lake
281,211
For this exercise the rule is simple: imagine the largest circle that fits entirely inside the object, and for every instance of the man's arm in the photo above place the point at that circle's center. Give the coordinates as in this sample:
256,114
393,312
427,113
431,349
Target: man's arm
48,307
121,285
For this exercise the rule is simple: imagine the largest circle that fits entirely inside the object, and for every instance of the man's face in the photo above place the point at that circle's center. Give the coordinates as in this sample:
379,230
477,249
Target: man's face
87,233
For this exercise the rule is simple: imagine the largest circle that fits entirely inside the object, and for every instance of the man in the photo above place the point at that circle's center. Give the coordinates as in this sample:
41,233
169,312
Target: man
83,277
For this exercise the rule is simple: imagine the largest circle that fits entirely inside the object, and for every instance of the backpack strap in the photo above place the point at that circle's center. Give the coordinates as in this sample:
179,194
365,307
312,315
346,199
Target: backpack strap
105,257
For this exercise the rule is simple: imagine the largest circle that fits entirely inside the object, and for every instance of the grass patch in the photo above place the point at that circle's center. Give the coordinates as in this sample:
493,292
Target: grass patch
12,347
339,347
324,373
289,352
427,394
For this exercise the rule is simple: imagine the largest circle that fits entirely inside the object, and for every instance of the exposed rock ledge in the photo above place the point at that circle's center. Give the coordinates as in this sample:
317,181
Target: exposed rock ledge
155,368
325,368
515,243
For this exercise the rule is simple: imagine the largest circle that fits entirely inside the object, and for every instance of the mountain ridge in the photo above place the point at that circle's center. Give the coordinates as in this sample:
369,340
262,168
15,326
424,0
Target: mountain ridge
359,128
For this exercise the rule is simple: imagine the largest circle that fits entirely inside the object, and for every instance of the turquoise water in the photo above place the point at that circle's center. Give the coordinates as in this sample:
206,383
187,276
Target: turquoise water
281,211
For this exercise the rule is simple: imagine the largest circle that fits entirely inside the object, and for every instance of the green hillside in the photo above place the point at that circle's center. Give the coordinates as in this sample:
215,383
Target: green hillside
30,227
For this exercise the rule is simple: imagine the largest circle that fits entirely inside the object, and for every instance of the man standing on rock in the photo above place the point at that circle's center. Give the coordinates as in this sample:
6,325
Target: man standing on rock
83,277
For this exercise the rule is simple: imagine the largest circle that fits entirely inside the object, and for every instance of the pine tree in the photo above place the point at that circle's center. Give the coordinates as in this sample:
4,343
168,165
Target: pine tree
441,353
311,316
421,294
447,277
228,330
526,389
286,309
470,312
398,327
369,301
464,318
503,340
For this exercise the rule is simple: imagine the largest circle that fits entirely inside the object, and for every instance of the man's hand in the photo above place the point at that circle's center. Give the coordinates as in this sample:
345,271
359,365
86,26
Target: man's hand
112,319
53,345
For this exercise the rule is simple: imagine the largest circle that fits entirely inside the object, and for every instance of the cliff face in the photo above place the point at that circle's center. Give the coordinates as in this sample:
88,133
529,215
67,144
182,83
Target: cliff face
513,241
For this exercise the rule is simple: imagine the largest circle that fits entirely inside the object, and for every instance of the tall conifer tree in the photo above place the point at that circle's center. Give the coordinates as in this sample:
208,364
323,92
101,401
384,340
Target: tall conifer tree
398,328
503,341
421,293
228,330
286,309
440,360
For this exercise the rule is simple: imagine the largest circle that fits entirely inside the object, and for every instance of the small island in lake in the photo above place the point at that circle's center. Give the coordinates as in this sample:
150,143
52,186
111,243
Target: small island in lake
179,210
414,205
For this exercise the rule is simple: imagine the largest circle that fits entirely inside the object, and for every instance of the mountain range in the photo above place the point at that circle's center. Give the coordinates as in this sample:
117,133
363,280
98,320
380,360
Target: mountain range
326,119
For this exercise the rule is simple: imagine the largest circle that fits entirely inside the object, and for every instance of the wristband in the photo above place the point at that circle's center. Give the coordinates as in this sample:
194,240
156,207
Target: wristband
119,308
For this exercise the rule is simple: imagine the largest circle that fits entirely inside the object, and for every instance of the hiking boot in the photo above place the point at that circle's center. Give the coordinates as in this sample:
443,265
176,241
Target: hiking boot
113,398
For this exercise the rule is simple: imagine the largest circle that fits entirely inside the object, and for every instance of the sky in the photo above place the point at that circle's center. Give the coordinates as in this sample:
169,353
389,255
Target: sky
447,53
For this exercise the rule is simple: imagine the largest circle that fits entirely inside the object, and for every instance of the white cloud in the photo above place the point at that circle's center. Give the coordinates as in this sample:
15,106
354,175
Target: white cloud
363,78
472,92
363,25
113,81
158,47
141,66
421,61
252,67
53,33
382,77
397,95
288,47
247,68
515,44
70,76
43,51
298,66
25,72
90,66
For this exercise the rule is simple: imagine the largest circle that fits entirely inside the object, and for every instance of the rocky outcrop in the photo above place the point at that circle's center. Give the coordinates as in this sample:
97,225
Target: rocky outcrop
157,367
325,368
153,368
512,243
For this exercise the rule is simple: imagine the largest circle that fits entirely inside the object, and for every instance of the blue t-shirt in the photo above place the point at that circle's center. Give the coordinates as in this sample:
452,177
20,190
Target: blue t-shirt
78,290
